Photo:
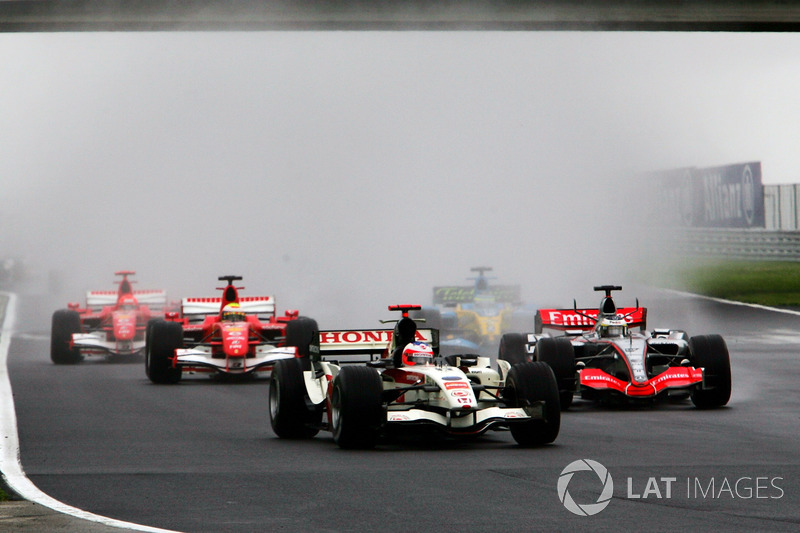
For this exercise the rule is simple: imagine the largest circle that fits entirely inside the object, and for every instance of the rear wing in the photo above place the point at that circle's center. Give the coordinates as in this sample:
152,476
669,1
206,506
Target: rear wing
458,294
362,344
196,309
584,319
154,299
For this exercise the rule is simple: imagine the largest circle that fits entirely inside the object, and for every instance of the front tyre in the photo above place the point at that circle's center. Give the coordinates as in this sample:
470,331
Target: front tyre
711,353
300,333
65,323
513,348
164,339
289,415
527,385
559,354
357,411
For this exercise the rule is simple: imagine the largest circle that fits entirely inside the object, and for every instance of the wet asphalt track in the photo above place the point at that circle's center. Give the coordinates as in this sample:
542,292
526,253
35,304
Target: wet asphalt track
200,456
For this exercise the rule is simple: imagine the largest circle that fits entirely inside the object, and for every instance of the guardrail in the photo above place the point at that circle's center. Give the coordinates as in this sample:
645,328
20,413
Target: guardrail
754,244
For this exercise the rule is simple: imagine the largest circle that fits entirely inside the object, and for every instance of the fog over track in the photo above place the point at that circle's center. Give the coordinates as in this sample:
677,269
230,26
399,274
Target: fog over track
345,171
201,456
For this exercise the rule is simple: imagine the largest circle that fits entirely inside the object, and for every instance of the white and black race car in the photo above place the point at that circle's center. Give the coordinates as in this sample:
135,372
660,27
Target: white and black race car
396,382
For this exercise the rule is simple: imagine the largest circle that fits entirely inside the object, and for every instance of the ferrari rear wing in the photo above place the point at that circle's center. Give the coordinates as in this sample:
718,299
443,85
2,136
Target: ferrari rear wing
151,298
585,319
198,308
363,345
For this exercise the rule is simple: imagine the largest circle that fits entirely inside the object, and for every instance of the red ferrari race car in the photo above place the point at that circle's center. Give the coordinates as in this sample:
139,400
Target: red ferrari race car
229,335
112,322
401,385
600,357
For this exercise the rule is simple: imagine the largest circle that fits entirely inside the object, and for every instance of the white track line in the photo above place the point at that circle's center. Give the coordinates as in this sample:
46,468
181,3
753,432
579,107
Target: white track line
731,302
10,465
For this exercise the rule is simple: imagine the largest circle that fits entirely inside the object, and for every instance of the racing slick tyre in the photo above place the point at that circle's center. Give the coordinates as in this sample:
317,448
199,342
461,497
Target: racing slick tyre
300,333
149,327
357,407
711,353
527,384
558,353
147,333
289,414
513,348
165,337
65,323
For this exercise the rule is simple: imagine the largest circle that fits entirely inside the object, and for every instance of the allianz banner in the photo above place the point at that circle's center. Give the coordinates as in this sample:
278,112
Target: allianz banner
730,196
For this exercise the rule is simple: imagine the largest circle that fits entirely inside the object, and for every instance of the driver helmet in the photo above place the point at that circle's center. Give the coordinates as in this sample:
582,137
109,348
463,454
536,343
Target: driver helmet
417,353
612,327
233,313
127,303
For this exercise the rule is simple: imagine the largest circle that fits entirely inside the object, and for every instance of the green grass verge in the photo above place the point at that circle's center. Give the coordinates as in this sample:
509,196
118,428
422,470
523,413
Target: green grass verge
6,492
773,283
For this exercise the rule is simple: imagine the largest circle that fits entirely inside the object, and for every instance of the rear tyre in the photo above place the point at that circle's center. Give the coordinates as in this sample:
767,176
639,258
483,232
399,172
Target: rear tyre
148,343
147,329
300,333
357,411
711,353
514,348
165,338
527,384
289,414
65,323
558,353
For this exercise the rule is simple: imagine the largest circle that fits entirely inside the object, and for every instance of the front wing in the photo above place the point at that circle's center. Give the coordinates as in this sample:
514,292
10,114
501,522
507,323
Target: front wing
467,422
200,360
672,378
98,343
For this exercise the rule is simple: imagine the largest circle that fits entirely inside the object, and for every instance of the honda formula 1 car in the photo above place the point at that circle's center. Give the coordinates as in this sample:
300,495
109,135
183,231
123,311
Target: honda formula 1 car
228,335
111,323
401,385
600,357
